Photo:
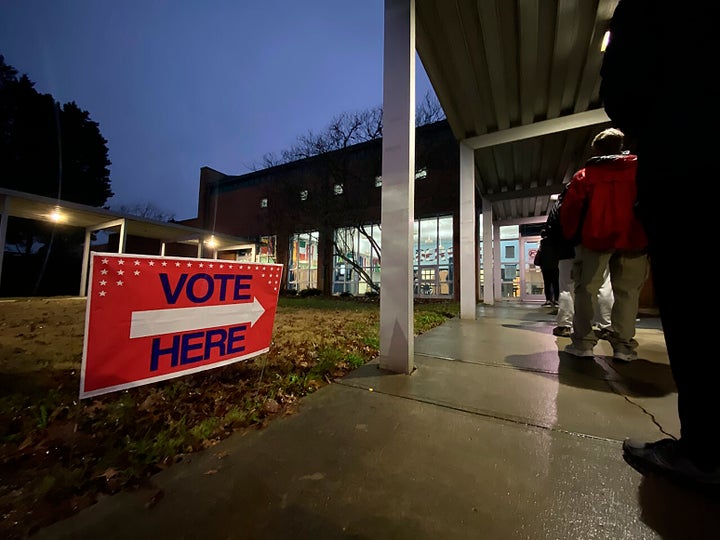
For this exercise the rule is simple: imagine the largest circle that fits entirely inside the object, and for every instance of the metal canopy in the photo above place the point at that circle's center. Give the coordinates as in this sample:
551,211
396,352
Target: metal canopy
518,81
29,206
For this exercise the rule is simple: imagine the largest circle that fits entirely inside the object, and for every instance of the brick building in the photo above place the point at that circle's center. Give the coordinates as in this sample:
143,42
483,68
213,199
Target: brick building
320,216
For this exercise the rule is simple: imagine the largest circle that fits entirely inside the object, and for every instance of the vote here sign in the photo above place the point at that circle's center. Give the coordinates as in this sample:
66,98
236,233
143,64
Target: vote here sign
154,318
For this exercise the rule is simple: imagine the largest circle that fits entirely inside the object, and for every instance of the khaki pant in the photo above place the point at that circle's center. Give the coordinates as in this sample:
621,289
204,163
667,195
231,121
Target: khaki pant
628,272
566,300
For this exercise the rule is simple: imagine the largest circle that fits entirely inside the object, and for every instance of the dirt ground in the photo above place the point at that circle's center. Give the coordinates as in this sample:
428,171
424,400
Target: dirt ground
59,454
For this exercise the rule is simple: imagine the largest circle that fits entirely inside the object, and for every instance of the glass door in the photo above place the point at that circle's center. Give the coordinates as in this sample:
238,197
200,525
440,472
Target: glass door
531,281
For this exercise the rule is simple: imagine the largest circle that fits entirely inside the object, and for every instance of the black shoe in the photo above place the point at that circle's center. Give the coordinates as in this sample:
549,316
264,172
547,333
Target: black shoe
548,303
603,333
666,457
562,331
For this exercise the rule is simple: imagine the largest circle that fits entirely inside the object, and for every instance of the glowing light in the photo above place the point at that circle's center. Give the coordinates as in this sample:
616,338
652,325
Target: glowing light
605,41
56,216
554,196
211,242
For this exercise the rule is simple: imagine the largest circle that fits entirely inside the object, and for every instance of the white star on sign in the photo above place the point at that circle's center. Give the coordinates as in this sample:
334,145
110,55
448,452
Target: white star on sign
103,282
102,293
164,263
136,272
103,271
177,263
104,261
120,272
152,263
119,283
121,261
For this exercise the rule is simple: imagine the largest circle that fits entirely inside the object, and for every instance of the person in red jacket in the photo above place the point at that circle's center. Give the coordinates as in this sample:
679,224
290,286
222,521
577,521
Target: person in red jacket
598,212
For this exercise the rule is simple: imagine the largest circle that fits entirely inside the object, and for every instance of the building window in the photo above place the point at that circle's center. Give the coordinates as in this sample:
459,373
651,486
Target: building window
419,175
304,195
263,202
267,249
338,189
303,261
356,259
433,262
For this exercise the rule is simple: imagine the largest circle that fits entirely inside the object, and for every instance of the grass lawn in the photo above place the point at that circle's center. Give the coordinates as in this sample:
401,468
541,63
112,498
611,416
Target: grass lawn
58,454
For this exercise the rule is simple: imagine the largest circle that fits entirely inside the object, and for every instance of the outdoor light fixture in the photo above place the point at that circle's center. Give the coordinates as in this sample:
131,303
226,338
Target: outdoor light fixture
605,41
554,196
211,242
56,216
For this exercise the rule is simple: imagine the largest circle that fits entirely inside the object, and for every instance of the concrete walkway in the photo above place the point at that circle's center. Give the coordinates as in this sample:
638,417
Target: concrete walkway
495,435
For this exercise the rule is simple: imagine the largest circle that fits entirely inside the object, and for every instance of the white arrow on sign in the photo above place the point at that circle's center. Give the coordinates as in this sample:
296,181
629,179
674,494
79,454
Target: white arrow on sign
174,320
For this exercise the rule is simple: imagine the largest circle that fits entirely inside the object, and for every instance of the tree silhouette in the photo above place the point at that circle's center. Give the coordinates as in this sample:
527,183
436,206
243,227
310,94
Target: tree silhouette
55,151
49,149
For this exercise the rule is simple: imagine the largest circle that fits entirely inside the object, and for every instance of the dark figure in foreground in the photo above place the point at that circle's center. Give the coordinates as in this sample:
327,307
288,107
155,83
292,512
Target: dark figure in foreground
657,87
547,260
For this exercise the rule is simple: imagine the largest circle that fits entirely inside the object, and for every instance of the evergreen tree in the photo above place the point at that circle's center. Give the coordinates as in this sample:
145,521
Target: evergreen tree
49,149
55,151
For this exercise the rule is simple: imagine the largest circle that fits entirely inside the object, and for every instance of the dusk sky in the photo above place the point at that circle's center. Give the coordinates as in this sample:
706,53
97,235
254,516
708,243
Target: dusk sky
179,85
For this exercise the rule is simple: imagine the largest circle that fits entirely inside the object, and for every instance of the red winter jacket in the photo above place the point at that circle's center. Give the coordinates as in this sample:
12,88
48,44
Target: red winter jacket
599,206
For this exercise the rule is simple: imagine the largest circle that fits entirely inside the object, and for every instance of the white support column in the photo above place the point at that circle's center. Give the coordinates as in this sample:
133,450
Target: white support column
489,256
397,347
199,250
468,292
162,249
123,237
496,276
85,262
5,209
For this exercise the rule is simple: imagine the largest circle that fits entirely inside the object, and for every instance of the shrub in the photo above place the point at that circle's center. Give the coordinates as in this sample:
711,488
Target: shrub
311,291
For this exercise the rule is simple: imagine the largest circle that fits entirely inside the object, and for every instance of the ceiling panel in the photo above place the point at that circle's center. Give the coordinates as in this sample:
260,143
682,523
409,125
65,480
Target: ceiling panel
501,64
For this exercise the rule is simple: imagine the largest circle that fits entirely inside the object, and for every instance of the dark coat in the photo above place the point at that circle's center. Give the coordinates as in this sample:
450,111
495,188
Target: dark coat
564,248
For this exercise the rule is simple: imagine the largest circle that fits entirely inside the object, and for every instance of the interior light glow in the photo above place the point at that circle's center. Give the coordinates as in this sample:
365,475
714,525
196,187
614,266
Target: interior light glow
605,41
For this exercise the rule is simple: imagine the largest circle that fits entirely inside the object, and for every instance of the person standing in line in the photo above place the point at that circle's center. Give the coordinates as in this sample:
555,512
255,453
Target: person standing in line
566,299
657,85
547,259
599,210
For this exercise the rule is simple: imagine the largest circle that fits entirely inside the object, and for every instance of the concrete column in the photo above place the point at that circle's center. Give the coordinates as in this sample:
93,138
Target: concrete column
397,347
85,262
490,256
468,263
5,209
123,237
496,277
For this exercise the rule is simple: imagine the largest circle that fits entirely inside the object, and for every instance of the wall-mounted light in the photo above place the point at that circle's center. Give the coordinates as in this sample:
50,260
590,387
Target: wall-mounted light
605,41
56,215
554,196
